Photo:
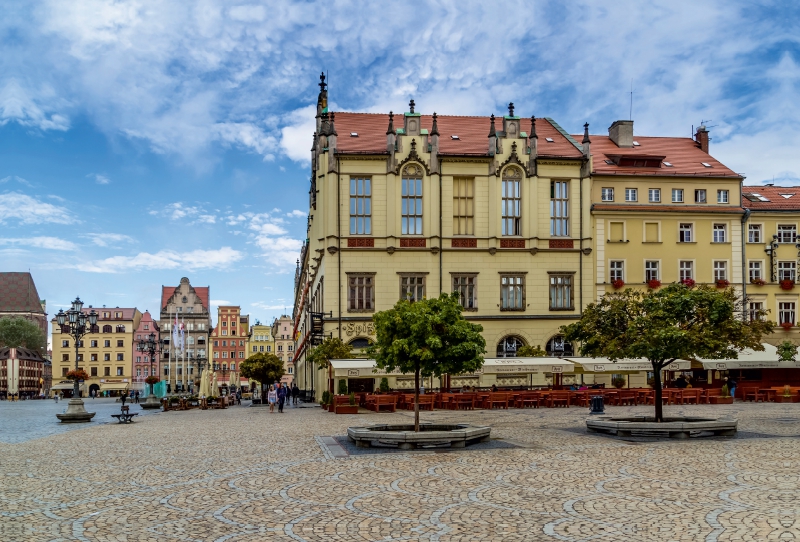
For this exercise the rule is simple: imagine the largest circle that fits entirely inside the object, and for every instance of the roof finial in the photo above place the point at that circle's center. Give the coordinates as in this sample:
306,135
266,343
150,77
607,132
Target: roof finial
390,130
435,127
511,109
586,133
332,128
322,83
492,131
533,126
411,105
413,146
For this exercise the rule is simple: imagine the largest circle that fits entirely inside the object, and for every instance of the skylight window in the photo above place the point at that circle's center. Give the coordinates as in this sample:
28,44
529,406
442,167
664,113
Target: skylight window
759,196
705,164
636,144
787,196
353,134
549,139
610,162
454,137
668,164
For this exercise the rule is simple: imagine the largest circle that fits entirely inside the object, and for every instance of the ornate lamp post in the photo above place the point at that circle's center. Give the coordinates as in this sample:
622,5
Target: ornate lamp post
74,323
150,345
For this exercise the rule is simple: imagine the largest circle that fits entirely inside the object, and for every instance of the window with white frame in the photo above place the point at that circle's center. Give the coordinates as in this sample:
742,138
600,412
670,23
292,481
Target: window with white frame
720,233
686,270
720,270
631,194
754,270
722,196
787,233
561,292
654,195
616,270
787,271
467,288
754,233
677,195
685,231
463,206
606,194
360,206
512,292
786,312
511,201
412,287
559,208
700,195
411,201
361,292
755,310
651,270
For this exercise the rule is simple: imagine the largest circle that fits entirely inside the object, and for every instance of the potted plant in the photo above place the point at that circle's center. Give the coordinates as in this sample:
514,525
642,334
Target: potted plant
618,381
787,325
787,284
352,408
689,283
326,398
384,385
722,283
617,284
723,399
77,374
654,284
787,396
342,387
758,282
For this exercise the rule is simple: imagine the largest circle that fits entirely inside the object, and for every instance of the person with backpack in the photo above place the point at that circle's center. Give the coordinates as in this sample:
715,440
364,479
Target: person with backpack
295,393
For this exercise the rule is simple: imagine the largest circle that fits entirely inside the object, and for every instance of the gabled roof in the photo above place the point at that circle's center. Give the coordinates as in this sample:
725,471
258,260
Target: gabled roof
18,293
472,132
682,153
168,291
771,198
22,353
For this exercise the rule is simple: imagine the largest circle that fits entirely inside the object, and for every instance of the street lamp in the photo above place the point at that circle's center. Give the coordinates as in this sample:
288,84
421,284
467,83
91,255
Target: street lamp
74,323
150,345
771,250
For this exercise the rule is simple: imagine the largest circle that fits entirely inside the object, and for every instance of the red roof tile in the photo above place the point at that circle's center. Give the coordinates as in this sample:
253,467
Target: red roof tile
168,291
780,198
682,152
472,132
18,293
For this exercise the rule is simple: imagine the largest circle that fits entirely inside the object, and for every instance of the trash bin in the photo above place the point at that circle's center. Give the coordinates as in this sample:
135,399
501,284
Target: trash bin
596,405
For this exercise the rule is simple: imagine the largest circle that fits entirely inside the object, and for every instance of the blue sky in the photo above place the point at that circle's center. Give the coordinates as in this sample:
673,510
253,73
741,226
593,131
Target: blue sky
142,141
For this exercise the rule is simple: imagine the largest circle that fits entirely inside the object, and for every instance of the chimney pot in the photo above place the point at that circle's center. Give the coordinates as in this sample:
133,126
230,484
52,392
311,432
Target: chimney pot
621,133
701,137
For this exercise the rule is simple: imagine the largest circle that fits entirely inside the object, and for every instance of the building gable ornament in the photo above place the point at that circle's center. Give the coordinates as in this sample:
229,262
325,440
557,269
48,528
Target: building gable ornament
512,159
412,157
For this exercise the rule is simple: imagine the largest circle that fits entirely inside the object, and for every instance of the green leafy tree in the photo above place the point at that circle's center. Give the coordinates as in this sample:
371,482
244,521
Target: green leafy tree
331,348
531,352
428,337
263,368
18,332
664,325
787,351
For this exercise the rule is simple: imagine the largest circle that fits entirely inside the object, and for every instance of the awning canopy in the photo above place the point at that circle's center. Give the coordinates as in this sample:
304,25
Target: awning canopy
66,386
605,365
357,368
750,359
106,386
526,365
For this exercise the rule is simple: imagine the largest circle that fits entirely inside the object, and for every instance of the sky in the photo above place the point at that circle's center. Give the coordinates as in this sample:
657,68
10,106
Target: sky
143,141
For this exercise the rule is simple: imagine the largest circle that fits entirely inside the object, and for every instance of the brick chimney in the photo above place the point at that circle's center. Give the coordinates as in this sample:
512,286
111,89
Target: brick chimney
621,133
701,137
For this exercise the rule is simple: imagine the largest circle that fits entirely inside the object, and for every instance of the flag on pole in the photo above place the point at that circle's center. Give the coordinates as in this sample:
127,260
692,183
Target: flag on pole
183,336
175,333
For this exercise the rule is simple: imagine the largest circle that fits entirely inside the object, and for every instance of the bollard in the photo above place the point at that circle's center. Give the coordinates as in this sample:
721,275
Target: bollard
596,405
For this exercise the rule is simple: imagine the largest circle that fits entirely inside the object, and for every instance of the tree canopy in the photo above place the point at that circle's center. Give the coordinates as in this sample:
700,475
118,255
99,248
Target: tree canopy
675,322
428,337
331,348
531,352
263,368
18,332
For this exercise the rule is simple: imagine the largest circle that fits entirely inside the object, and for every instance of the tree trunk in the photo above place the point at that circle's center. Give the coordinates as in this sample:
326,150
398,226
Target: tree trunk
658,395
416,399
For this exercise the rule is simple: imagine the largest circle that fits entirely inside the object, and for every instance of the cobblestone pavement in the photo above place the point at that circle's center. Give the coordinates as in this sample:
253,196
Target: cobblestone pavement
243,474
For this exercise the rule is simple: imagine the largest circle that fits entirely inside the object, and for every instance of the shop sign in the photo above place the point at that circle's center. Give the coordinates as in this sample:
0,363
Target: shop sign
359,328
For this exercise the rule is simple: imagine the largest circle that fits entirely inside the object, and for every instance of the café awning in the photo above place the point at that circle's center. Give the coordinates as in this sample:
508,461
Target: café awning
66,386
751,359
526,365
109,386
357,368
605,365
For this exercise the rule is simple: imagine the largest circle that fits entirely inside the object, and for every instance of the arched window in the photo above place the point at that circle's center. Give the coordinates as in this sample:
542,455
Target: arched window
411,201
106,329
557,347
184,300
511,209
508,346
360,342
120,328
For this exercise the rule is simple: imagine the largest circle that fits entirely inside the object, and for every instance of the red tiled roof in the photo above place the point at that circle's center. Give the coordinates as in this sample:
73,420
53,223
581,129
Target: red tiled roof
776,196
18,293
682,152
168,291
472,132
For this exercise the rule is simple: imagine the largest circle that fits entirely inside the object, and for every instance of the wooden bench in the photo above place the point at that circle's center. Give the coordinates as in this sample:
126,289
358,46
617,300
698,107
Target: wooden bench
753,395
339,400
690,395
385,402
558,398
125,416
497,399
465,401
523,400
425,402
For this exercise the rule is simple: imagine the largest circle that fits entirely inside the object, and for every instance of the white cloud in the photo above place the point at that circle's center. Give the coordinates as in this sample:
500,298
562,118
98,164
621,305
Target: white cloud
47,243
29,210
33,108
99,179
16,179
297,214
219,259
269,307
109,239
296,139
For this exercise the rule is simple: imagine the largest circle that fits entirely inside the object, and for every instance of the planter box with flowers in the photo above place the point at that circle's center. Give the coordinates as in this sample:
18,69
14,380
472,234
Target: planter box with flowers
689,283
787,325
617,284
758,282
722,283
654,284
77,374
787,284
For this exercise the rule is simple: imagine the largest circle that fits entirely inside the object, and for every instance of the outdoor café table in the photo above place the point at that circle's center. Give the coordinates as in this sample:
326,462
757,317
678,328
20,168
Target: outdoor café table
769,394
690,395
463,400
610,397
443,400
579,398
481,400
626,397
643,396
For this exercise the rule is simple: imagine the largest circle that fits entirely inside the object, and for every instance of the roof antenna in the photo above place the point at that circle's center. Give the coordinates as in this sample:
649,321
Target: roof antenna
630,111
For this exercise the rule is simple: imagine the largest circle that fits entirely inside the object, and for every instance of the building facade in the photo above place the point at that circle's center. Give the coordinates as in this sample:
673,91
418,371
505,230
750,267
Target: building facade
105,353
284,346
142,365
21,373
19,298
184,308
229,343
261,340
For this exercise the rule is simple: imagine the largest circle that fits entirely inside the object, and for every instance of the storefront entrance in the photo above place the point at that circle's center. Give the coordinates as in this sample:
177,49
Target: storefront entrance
356,385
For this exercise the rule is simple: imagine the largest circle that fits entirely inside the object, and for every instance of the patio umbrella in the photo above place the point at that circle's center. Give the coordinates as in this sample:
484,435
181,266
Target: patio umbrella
205,389
214,386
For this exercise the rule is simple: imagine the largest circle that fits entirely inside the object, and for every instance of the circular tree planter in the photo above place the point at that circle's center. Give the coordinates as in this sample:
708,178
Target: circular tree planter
404,437
673,427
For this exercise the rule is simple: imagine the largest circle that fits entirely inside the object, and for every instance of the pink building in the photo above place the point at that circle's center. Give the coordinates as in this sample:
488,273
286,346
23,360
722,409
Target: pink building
141,360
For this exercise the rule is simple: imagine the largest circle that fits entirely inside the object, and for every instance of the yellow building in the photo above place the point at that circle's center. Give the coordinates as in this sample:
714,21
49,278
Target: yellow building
106,353
260,340
284,346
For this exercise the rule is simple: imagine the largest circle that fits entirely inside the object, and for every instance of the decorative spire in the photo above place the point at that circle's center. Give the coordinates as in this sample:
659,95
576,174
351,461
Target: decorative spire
413,146
323,130
411,105
322,83
511,109
331,127
314,145
586,133
492,131
390,130
435,128
533,127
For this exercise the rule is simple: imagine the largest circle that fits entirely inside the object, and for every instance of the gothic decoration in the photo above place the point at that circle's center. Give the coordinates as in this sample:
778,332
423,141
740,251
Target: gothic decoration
413,243
508,346
413,157
390,129
411,105
513,158
464,243
560,243
360,242
511,109
512,243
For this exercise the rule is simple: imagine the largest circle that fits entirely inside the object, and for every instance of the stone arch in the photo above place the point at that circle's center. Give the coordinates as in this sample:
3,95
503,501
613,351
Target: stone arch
507,346
557,347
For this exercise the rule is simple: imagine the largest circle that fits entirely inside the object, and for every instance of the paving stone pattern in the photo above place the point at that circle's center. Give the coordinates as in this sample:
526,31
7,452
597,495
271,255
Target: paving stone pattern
243,474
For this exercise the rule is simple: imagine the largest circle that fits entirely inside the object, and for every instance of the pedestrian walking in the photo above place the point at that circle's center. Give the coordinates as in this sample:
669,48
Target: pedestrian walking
281,397
239,397
295,393
272,397
137,397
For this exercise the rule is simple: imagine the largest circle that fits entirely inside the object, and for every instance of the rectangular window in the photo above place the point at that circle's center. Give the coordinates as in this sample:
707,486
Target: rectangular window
722,196
224,332
106,357
559,208
233,355
512,292
224,343
677,195
280,348
255,348
700,196
360,206
120,371
651,232
107,344
755,271
120,344
139,371
606,194
93,344
651,270
93,371
106,371
80,357
511,210
120,357
412,287
361,292
241,355
654,195
64,357
616,271
720,271
225,355
411,207
616,232
92,357
631,194
65,344
754,309
720,231
686,270
466,286
786,271
685,233
787,233
786,313
269,348
463,206
754,233
561,292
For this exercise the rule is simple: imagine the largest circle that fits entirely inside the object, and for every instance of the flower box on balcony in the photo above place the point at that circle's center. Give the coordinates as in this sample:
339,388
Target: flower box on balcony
787,325
758,282
689,283
654,284
617,284
787,284
722,283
